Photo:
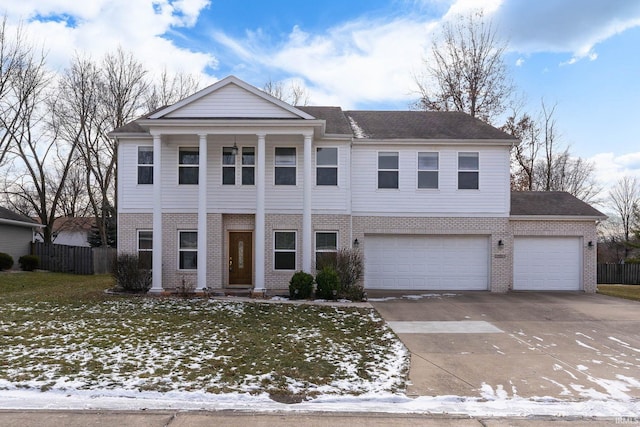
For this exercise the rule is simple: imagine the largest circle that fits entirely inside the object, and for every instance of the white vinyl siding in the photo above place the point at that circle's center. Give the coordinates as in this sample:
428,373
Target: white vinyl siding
421,262
493,197
231,101
547,263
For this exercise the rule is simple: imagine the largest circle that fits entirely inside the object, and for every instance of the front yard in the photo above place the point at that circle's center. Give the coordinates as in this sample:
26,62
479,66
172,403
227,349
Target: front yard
631,292
61,332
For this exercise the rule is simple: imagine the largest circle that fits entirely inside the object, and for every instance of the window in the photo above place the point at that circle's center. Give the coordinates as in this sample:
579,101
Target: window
468,171
188,159
285,166
326,166
228,166
145,249
387,170
326,248
285,250
427,170
248,165
188,250
145,165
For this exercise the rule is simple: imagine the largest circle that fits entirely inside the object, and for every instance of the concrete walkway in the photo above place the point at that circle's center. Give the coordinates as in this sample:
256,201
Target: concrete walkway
569,346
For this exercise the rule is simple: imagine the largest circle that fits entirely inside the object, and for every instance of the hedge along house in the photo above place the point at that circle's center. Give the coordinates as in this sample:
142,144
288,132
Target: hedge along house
16,234
231,188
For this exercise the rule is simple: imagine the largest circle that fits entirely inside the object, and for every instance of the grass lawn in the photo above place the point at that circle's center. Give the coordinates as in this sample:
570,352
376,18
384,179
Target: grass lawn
62,332
621,291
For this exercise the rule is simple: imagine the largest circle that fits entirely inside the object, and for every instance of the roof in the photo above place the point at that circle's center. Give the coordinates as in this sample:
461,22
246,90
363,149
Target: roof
8,216
421,125
551,203
336,121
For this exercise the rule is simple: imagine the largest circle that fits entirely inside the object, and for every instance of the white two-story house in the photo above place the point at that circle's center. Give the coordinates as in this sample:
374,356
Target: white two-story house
231,188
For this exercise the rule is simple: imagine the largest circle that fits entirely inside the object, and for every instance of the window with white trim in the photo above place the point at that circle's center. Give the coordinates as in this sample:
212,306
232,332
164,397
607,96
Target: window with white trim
145,249
388,169
326,248
285,166
228,166
284,250
145,164
468,171
428,170
326,166
248,165
188,160
188,250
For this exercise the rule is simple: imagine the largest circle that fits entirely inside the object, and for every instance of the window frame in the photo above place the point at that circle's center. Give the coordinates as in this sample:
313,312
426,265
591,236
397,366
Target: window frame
383,170
181,250
328,166
475,171
248,166
144,165
228,166
145,250
189,165
276,166
276,250
436,170
325,251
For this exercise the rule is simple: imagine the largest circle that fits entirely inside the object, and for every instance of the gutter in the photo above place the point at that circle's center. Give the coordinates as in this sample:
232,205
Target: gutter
20,223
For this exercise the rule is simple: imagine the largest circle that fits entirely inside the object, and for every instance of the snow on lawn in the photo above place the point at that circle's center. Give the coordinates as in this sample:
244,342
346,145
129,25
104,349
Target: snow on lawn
127,346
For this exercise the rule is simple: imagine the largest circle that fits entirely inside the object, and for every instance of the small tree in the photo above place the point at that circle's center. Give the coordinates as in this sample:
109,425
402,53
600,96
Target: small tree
129,277
349,265
300,285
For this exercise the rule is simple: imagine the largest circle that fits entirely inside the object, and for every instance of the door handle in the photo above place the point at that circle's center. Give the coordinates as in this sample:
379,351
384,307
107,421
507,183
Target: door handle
230,264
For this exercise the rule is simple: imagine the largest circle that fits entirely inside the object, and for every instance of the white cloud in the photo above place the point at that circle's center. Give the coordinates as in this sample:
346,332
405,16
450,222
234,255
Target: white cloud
519,62
610,167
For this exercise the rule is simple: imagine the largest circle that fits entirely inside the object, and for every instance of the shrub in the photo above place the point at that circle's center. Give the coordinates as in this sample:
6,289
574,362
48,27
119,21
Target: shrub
129,277
349,265
328,283
6,261
29,262
300,285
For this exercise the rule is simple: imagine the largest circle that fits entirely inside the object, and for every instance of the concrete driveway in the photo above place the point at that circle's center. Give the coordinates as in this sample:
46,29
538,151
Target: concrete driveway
569,346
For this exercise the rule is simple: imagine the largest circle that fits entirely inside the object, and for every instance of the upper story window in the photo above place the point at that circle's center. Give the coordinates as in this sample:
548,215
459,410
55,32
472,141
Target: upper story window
327,166
145,249
468,171
188,159
145,165
248,165
228,166
188,250
387,170
428,170
285,166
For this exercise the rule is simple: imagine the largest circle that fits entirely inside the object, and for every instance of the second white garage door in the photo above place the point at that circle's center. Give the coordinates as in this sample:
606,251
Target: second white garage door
427,262
547,263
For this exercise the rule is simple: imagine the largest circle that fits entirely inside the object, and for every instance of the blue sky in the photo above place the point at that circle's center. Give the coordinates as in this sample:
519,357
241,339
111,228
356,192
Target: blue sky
583,55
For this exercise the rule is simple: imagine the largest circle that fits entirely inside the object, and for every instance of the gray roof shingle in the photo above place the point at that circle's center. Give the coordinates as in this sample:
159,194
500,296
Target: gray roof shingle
336,121
551,203
14,216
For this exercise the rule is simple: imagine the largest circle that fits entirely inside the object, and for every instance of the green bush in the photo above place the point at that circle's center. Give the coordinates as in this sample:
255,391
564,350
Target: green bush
29,262
129,277
300,285
328,283
6,261
349,265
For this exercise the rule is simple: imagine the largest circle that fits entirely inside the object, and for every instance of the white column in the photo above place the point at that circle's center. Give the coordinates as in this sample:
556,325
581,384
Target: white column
202,214
156,263
260,214
307,235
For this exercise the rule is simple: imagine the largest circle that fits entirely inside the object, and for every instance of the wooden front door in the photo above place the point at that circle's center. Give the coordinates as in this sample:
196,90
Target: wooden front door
240,258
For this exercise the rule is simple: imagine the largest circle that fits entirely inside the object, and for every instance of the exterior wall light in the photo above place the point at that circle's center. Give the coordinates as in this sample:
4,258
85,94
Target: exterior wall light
590,244
500,243
356,243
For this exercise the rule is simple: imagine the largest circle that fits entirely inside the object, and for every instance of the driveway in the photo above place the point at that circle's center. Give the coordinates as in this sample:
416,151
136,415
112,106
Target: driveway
569,346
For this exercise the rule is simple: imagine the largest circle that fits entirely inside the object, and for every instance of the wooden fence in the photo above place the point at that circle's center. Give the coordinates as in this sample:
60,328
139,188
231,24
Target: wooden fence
621,274
73,259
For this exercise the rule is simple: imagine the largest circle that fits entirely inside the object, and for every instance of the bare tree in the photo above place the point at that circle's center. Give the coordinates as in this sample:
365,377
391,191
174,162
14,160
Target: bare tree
625,199
466,71
523,155
170,89
294,93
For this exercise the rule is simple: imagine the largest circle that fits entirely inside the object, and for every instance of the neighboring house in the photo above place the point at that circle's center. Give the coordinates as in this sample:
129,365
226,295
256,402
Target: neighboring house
71,231
16,234
231,187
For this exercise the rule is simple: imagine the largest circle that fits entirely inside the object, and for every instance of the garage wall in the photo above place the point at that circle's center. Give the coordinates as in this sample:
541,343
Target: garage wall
551,227
496,228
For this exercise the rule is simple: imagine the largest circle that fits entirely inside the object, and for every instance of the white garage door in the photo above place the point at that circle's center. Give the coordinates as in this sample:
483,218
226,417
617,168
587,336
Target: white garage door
427,262
547,263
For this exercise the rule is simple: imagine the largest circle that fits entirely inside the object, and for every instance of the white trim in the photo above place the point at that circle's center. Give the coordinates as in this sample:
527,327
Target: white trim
336,166
295,250
156,282
193,270
307,237
259,242
315,243
294,166
20,223
139,165
202,212
458,153
378,170
418,170
180,165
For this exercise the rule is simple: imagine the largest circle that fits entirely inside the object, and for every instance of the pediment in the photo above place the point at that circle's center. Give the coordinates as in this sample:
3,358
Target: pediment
231,98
